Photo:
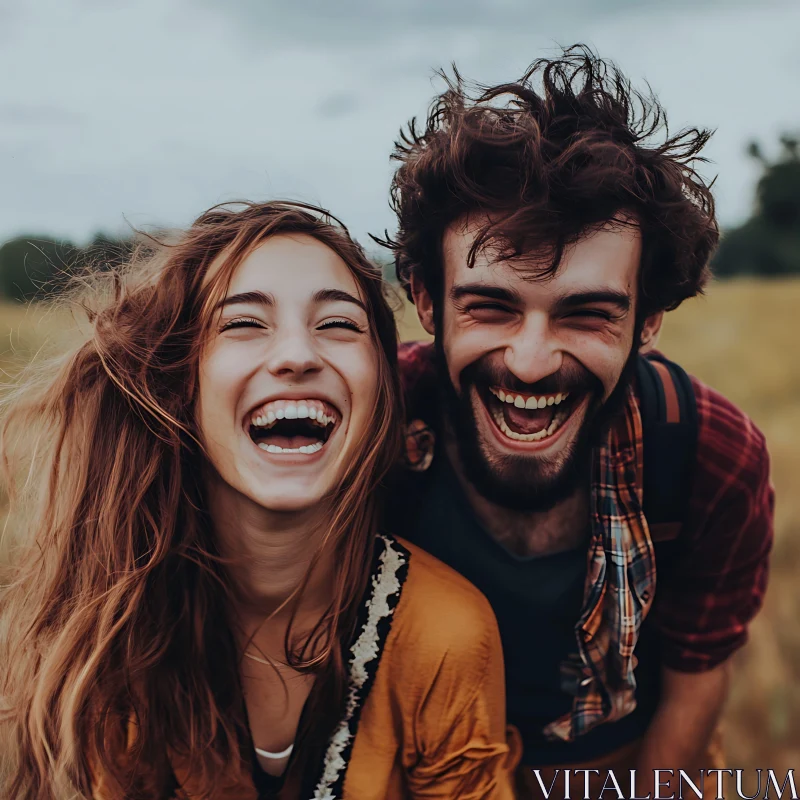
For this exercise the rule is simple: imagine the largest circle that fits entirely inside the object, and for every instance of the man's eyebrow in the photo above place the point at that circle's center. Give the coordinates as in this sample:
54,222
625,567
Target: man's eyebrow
459,291
607,296
258,298
337,295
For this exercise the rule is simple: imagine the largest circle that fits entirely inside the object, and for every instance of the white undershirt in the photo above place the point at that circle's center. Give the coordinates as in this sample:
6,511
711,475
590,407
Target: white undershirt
282,754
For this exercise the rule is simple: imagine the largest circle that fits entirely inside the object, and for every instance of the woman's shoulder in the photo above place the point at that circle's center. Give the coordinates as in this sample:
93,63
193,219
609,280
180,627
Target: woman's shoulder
439,692
441,611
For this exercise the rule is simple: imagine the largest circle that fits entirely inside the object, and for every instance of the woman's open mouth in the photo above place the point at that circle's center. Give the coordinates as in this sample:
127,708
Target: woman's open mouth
293,426
527,417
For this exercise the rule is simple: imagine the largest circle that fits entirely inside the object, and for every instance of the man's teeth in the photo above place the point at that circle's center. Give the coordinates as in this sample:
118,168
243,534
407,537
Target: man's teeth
555,424
530,402
307,449
289,409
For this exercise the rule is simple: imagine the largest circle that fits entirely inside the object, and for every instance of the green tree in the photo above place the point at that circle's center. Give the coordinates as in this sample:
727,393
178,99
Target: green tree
33,266
769,242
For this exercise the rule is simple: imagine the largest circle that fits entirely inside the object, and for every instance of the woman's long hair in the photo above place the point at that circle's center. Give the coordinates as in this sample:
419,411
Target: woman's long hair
117,653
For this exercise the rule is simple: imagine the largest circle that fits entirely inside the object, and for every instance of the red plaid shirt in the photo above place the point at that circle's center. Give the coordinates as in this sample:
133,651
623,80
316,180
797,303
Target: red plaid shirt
703,610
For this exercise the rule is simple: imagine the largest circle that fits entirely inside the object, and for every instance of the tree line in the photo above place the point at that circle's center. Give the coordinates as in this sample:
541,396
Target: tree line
34,267
767,244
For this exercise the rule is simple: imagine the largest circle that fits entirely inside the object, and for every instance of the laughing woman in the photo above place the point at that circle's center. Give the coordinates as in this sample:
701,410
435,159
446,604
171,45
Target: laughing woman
203,606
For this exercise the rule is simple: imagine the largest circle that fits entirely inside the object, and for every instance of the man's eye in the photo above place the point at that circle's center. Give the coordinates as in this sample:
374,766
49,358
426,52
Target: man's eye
242,322
488,309
591,313
489,312
339,323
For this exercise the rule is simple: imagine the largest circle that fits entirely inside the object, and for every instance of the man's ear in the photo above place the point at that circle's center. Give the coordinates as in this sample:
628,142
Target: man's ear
423,303
650,332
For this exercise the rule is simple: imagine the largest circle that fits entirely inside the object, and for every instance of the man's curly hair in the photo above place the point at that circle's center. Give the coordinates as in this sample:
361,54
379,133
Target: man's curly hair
546,160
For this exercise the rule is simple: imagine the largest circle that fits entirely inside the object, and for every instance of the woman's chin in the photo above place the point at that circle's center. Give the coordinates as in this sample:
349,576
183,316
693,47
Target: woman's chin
291,497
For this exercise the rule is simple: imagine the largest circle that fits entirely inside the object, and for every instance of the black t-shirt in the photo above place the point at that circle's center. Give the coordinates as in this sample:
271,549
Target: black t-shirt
537,601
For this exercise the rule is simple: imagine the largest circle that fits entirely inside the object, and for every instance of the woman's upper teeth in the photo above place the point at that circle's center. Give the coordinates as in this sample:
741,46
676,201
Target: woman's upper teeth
317,410
528,401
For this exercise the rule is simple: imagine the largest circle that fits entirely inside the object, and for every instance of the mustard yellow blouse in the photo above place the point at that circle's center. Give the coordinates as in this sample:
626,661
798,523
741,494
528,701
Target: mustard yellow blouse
426,712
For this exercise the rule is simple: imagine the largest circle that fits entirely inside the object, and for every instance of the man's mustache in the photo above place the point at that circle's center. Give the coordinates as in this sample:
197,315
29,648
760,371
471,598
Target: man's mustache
571,377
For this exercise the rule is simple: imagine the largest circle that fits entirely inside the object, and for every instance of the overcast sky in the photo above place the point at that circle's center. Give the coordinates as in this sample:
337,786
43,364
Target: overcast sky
151,110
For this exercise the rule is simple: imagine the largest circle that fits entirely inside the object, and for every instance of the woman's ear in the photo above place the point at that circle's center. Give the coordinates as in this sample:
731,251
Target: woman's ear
423,303
650,332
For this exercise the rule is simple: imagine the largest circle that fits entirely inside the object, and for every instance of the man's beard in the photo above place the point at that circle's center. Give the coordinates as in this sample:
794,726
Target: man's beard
528,482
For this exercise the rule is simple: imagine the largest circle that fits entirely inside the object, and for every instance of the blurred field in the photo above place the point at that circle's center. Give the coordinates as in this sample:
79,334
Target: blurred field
740,339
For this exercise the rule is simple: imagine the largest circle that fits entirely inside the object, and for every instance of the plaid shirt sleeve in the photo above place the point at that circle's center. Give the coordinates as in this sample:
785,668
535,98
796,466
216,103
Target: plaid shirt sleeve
704,608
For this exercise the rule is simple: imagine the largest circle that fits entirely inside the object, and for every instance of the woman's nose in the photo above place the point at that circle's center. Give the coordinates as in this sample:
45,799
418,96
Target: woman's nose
293,352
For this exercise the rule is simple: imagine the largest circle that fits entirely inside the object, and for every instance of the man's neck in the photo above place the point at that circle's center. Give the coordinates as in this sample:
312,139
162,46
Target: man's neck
529,533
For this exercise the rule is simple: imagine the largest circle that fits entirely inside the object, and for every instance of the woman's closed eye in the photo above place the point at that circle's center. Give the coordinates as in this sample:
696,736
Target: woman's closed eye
242,322
340,322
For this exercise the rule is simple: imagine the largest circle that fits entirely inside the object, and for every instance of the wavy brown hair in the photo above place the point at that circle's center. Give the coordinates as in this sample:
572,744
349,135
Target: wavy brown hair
549,158
118,653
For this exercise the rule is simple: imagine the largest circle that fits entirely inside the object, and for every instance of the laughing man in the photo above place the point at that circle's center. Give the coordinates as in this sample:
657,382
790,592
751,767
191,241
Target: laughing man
616,513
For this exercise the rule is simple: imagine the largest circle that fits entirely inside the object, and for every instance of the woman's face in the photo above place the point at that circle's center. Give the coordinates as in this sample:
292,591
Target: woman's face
288,375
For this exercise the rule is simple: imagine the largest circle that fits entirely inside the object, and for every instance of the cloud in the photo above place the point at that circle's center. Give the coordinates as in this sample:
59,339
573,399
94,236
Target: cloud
341,23
31,114
151,111
9,17
338,105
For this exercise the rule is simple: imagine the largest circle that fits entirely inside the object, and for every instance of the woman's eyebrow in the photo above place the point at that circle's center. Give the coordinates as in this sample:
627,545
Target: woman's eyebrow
265,299
259,298
333,295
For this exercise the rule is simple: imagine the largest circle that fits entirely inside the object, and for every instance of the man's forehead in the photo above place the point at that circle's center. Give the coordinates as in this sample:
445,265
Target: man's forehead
606,258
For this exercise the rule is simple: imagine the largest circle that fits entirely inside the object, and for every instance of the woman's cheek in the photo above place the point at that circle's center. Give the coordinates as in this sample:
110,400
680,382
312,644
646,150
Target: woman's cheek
223,374
356,363
361,376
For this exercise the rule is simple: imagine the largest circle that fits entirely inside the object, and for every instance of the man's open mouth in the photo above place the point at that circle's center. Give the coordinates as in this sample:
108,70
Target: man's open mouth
527,417
293,426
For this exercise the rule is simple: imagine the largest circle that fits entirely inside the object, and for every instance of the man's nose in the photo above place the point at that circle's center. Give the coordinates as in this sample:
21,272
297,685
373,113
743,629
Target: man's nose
292,351
534,352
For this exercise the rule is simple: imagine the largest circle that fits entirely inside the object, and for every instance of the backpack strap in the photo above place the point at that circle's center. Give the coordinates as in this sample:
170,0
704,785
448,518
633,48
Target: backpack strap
669,424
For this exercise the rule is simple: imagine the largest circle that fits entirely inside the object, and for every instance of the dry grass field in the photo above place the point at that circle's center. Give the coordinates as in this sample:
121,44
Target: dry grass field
742,339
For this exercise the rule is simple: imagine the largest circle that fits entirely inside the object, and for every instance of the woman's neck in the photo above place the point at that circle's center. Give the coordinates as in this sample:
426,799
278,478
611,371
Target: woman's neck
268,554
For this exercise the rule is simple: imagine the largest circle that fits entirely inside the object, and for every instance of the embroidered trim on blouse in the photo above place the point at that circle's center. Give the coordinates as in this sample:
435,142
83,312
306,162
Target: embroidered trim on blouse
387,583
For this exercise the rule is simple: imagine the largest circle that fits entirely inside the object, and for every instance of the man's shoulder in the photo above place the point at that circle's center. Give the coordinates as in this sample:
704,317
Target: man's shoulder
409,352
728,442
730,483
415,360
418,377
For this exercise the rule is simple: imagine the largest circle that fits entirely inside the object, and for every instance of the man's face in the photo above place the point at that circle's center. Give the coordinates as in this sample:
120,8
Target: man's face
532,362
